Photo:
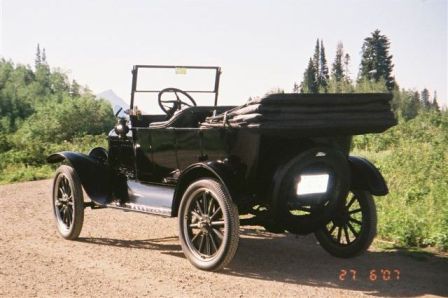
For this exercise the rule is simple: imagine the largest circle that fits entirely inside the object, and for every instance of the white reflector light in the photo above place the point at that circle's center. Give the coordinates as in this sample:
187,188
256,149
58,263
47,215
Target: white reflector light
312,184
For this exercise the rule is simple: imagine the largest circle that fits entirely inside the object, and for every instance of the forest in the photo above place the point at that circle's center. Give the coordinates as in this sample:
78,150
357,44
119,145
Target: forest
42,111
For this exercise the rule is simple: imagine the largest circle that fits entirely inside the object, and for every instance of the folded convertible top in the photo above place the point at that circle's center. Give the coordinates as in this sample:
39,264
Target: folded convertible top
311,114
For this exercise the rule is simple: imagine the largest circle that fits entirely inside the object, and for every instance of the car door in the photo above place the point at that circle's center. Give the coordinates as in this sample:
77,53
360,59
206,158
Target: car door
188,147
143,155
163,152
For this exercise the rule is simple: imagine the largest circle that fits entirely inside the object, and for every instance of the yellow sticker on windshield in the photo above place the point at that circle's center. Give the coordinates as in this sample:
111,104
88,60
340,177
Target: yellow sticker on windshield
181,70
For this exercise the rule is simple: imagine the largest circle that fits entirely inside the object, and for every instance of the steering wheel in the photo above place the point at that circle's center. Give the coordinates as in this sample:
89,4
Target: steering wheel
171,106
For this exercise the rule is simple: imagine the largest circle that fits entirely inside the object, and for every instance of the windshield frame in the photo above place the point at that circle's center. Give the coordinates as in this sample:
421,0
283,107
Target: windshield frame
135,77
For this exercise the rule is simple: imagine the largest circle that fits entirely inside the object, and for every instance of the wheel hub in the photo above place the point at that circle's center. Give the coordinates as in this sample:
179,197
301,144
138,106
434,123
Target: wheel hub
205,224
64,200
342,218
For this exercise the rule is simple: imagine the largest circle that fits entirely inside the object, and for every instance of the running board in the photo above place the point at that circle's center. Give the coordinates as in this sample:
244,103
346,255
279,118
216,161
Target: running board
147,198
142,209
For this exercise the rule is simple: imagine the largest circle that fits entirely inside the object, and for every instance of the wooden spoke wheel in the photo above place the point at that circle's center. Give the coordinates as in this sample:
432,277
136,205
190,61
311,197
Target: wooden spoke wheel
208,225
352,229
68,202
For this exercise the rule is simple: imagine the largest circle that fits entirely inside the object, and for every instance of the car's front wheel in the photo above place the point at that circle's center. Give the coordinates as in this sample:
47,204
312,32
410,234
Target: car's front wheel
68,202
208,225
352,229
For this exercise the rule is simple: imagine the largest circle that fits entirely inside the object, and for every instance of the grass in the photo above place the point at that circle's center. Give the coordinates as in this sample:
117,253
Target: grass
21,172
414,161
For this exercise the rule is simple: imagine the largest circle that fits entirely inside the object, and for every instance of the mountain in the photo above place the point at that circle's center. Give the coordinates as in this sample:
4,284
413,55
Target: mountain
113,98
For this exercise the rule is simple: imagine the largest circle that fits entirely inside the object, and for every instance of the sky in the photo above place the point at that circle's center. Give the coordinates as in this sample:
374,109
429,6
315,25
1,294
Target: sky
260,44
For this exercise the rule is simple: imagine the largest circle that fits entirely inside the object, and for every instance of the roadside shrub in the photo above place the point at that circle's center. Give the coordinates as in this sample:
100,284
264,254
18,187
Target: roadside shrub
63,121
30,162
413,158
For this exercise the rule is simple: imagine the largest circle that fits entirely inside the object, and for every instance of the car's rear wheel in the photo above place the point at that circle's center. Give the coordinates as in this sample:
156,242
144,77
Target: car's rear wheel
68,202
352,229
208,225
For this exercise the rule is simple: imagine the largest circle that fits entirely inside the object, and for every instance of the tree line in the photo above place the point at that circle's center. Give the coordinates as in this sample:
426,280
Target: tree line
374,75
40,106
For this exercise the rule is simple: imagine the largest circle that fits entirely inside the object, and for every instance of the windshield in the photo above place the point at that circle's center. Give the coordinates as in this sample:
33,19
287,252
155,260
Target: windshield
200,82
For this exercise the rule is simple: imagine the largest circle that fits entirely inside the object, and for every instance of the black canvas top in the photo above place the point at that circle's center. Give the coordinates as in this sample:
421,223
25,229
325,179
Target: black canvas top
347,114
324,98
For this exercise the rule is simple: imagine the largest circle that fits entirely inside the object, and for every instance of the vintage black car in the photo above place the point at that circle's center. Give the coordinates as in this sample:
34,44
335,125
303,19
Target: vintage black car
281,162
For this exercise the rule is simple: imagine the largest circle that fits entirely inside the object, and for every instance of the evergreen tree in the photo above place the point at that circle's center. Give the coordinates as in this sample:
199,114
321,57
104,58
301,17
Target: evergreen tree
435,104
337,71
411,106
309,83
37,60
323,70
316,57
295,88
44,57
340,80
43,72
316,77
426,104
346,66
376,62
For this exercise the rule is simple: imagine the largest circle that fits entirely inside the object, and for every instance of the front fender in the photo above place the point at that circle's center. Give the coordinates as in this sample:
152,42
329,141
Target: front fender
365,176
95,176
223,172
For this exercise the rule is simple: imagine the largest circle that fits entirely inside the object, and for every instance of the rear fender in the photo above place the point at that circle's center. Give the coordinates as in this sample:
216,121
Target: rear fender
365,176
95,176
223,172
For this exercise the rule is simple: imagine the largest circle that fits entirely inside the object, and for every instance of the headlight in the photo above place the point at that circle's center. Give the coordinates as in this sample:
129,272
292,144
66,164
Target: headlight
312,184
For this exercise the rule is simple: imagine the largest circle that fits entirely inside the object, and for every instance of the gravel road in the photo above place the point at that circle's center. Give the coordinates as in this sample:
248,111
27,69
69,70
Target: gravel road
130,254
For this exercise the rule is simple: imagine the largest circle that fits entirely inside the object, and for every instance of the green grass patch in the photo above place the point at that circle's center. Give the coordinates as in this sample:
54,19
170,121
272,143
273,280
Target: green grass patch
21,172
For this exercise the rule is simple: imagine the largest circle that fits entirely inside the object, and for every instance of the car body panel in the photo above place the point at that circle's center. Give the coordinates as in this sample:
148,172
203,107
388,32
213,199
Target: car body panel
95,177
365,176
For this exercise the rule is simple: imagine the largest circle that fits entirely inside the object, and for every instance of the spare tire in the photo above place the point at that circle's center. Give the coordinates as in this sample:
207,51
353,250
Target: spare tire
308,188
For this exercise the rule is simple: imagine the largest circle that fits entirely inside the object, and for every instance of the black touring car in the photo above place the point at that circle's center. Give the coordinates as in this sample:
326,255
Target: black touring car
281,162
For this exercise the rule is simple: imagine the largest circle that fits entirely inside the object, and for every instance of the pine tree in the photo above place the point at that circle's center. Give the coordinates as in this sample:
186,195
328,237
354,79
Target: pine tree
43,72
376,62
316,78
340,80
435,104
412,105
346,67
44,57
316,57
337,71
37,60
296,88
323,71
426,104
309,83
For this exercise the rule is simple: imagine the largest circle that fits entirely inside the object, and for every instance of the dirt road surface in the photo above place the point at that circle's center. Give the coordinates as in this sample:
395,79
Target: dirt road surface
130,254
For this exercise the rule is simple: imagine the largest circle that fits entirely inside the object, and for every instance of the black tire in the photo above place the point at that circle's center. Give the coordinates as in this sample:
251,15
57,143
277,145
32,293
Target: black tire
208,225
351,231
68,202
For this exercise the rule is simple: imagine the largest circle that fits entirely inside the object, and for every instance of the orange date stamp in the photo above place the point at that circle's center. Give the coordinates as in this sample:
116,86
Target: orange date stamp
373,275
